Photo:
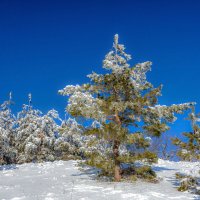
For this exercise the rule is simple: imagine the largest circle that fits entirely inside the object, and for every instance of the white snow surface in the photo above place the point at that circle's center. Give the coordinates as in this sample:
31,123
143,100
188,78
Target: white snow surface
62,180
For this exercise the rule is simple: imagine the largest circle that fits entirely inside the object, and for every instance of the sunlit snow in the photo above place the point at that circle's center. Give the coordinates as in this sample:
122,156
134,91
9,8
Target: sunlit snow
62,180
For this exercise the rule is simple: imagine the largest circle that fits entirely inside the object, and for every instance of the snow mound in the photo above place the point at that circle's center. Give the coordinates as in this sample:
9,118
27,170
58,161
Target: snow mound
62,180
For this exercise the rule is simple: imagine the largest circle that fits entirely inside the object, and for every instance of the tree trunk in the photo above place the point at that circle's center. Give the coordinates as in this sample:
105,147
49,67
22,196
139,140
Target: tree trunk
117,169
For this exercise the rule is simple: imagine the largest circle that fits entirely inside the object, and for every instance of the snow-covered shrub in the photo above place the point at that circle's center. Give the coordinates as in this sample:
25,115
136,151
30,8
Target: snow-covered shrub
35,137
188,183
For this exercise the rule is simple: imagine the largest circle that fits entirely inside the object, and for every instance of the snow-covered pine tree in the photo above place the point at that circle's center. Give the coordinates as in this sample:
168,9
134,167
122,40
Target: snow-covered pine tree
70,143
35,134
124,104
7,133
189,150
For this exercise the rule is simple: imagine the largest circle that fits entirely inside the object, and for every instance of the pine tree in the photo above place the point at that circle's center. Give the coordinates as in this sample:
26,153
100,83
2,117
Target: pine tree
7,133
35,134
189,150
123,105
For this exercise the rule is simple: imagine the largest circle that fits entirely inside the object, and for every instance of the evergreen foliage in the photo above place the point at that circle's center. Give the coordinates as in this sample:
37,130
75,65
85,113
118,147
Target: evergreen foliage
124,108
35,135
189,150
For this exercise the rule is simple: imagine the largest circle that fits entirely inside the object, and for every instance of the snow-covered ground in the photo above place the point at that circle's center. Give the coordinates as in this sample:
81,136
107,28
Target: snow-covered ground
62,180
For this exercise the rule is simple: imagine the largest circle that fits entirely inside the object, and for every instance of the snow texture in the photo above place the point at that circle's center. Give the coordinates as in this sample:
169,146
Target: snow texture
62,180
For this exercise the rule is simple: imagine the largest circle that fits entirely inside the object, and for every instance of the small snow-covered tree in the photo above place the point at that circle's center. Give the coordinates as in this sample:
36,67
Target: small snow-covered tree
36,134
4,146
124,106
7,133
70,143
189,150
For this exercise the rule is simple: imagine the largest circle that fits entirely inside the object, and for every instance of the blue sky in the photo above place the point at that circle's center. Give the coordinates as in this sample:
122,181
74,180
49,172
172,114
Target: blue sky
45,45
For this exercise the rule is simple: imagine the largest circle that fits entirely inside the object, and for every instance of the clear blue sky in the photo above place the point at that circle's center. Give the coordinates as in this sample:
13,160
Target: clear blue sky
45,45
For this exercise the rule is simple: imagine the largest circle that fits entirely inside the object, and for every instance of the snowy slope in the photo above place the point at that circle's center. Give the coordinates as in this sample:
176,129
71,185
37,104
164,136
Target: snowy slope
61,180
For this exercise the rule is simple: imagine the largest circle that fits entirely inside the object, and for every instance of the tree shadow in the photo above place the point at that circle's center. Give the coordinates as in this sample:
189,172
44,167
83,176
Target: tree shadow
171,178
90,172
174,181
158,169
93,172
8,167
